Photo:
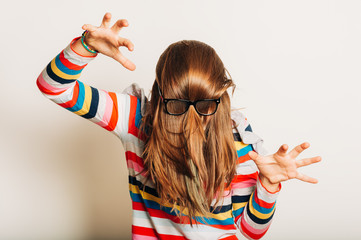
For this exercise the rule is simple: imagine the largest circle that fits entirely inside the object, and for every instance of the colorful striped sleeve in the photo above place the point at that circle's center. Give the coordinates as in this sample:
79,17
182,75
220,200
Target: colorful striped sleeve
252,204
59,82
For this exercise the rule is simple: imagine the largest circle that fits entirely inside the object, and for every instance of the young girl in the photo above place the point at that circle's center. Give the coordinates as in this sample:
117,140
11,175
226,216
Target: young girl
196,169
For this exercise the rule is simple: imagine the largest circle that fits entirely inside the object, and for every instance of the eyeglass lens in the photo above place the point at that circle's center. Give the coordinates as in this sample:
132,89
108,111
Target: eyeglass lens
203,107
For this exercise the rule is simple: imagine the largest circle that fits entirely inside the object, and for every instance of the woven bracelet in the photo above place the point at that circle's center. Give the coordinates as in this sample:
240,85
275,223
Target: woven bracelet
84,44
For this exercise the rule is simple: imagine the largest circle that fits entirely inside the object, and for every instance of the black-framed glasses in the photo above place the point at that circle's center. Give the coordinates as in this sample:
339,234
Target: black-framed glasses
204,107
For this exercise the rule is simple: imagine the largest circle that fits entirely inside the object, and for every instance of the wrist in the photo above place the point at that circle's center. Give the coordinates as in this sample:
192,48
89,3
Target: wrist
84,42
78,48
268,185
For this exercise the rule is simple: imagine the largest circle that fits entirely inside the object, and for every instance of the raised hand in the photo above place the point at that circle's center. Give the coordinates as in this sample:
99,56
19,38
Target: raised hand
282,166
106,40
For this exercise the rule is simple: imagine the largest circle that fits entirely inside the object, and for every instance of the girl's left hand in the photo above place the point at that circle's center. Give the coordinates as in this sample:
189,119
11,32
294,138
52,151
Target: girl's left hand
282,166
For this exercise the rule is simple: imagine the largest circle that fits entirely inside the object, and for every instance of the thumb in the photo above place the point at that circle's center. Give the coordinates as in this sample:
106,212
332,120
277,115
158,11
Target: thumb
89,27
254,155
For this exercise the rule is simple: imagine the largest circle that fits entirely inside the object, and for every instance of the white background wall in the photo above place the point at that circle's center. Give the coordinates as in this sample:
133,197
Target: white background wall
297,69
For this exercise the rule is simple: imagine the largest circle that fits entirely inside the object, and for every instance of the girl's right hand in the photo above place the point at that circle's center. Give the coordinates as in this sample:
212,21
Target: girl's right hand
107,41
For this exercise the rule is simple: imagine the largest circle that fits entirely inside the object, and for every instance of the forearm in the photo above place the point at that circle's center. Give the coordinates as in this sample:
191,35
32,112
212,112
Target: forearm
59,83
253,201
60,75
253,205
258,213
270,187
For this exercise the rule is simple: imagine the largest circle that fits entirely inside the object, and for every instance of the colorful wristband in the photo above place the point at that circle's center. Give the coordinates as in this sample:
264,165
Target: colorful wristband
84,44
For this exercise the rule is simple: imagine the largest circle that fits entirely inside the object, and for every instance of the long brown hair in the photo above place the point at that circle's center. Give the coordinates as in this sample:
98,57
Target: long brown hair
191,158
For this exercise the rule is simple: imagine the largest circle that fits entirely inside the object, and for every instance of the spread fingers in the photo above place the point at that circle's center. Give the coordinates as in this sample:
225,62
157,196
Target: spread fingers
299,149
127,43
124,61
307,161
106,20
119,25
306,178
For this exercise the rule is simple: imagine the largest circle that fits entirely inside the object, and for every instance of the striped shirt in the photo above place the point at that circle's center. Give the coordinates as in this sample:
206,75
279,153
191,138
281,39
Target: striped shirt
247,205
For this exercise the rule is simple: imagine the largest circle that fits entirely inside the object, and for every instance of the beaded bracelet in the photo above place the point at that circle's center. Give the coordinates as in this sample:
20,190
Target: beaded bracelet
84,44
